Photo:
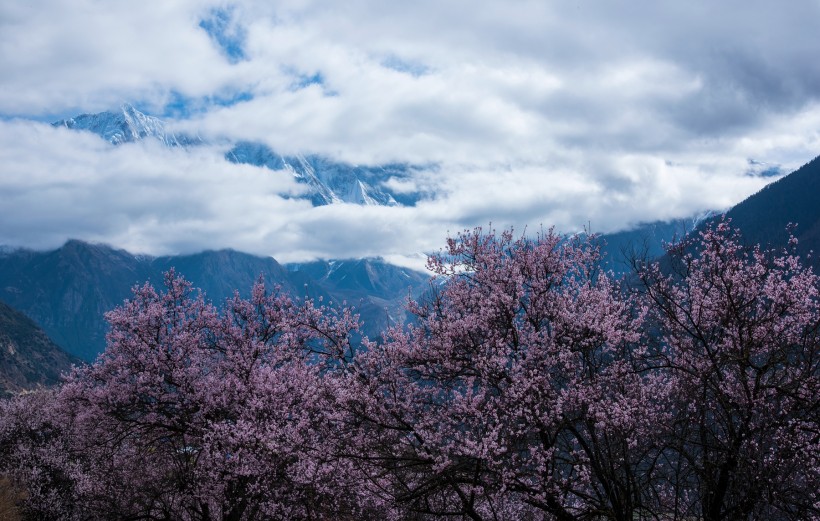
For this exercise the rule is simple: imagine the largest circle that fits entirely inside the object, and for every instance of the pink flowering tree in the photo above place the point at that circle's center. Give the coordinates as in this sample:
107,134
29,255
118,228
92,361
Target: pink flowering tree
518,393
738,333
195,414
35,455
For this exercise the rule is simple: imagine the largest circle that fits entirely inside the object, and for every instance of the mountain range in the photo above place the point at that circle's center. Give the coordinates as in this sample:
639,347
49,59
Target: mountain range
68,290
645,241
328,182
58,298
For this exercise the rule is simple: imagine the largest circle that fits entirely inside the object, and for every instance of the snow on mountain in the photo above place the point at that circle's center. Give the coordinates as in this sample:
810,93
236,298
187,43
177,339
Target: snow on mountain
126,126
330,182
376,289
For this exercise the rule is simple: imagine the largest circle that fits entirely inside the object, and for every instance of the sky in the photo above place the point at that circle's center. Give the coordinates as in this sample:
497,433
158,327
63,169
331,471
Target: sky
578,114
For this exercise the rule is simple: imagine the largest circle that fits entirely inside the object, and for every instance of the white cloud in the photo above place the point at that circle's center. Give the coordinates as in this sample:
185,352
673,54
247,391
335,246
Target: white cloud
140,196
91,54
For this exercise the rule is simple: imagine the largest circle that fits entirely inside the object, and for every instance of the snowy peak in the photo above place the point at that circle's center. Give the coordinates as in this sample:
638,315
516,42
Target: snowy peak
126,126
330,182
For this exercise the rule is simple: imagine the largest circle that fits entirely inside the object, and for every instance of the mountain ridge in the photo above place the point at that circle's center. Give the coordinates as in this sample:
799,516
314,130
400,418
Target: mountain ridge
329,182
67,291
764,216
126,126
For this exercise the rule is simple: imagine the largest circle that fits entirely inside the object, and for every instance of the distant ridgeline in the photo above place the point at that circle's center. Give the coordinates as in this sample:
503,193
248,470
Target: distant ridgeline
329,182
67,291
645,241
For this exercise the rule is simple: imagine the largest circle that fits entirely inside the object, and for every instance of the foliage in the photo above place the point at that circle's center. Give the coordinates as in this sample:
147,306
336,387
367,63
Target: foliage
531,385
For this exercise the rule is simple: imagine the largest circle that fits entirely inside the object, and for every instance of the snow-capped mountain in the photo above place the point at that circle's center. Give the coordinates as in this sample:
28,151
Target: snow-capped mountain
126,126
330,182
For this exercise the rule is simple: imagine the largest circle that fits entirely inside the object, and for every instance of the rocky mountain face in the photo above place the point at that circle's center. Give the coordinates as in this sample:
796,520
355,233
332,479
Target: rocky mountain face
126,126
377,290
67,291
28,358
329,182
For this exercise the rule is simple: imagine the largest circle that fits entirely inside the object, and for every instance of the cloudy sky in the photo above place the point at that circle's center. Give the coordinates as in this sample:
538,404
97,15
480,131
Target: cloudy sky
570,113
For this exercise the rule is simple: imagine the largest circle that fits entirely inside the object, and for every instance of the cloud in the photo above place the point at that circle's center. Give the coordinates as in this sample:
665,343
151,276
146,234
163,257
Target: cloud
534,112
64,55
141,196
151,199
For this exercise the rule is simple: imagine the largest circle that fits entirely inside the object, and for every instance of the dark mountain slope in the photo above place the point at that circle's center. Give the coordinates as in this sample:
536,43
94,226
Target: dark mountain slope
644,241
762,218
28,358
795,198
67,291
220,273
362,277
